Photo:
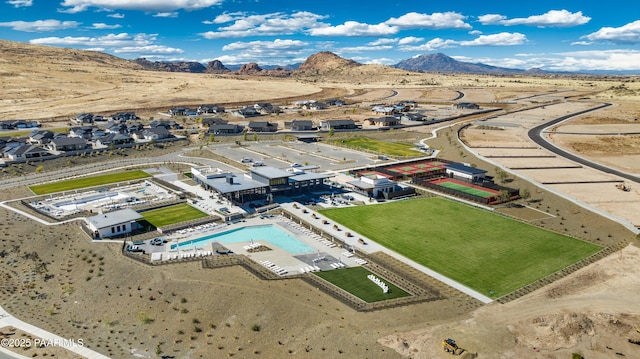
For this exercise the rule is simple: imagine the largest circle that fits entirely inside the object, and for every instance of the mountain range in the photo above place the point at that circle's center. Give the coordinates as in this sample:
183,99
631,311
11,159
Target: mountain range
327,61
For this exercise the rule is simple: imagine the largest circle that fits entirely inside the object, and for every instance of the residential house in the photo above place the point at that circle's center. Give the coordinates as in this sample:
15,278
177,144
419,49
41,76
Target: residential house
26,152
169,125
338,125
265,108
210,109
246,112
116,223
113,139
83,118
385,121
157,133
262,126
383,110
210,121
22,124
178,111
335,102
115,127
64,144
40,137
85,132
225,129
124,116
301,125
314,106
412,116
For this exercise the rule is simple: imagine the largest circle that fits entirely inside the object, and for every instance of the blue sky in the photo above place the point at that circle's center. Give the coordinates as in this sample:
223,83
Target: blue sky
553,35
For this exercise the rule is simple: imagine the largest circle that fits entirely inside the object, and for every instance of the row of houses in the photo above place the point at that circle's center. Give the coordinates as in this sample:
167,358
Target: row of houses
18,124
43,143
89,118
201,110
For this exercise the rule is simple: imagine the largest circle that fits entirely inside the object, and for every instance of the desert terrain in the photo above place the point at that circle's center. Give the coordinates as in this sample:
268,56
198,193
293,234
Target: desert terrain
123,308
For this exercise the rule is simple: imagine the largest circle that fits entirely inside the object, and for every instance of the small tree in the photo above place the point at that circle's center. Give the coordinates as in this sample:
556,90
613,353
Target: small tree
211,137
331,132
39,169
244,136
255,137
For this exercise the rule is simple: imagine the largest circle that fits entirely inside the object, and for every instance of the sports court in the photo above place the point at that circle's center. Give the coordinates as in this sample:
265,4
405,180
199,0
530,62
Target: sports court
465,187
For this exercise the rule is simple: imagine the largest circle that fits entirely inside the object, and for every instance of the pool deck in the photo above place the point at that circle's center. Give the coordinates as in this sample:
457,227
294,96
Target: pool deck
334,255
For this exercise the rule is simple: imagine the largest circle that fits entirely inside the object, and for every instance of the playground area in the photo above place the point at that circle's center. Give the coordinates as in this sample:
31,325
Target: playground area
102,200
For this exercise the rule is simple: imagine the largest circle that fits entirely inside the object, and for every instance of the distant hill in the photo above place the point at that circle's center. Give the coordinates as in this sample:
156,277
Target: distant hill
442,63
172,66
325,61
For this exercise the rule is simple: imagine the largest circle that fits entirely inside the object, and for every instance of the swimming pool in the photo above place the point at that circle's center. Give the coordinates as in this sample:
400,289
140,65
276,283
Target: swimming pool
263,233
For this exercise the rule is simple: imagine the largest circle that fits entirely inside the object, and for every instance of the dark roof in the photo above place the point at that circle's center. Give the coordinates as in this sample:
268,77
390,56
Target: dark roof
66,141
459,167
302,123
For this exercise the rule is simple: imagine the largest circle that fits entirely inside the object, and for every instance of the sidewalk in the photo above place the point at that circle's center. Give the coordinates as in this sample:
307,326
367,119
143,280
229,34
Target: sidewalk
7,319
372,246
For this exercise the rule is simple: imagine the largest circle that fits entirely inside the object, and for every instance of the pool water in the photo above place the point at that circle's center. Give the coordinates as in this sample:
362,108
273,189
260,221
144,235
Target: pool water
265,233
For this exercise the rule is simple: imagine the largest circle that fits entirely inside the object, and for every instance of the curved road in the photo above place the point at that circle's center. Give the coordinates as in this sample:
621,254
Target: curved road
536,136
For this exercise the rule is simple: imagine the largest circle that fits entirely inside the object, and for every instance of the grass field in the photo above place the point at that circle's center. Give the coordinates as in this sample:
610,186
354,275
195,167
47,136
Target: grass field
354,280
88,182
388,148
489,253
173,214
466,189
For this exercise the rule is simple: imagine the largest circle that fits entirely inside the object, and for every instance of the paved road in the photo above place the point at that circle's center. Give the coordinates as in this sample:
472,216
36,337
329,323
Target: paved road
536,135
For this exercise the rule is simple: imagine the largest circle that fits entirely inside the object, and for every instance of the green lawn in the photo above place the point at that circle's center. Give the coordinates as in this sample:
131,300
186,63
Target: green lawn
88,182
388,148
354,280
489,253
173,214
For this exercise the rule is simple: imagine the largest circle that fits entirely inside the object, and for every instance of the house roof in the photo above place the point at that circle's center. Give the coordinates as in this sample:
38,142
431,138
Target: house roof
340,122
67,141
385,119
25,149
302,123
114,218
240,183
307,176
260,124
270,172
459,167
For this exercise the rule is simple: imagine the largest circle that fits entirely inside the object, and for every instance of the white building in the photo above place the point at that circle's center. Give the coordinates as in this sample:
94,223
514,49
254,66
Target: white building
113,223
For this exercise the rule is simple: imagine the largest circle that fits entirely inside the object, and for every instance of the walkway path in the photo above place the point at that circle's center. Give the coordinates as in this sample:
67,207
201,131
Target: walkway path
7,319
372,246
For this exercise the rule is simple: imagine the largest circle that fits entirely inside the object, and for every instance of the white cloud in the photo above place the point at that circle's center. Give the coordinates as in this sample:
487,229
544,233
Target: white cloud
166,14
353,49
116,16
475,32
74,6
354,28
102,26
263,25
575,61
150,49
276,44
379,61
410,40
552,18
437,20
383,41
111,40
20,3
431,45
276,52
582,43
501,39
40,25
629,34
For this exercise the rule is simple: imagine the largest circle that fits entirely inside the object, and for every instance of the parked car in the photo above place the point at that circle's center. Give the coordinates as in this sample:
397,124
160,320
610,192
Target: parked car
296,165
134,249
258,164
246,160
157,241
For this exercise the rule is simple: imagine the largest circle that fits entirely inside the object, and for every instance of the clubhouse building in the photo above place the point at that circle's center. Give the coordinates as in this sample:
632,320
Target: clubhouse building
260,183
